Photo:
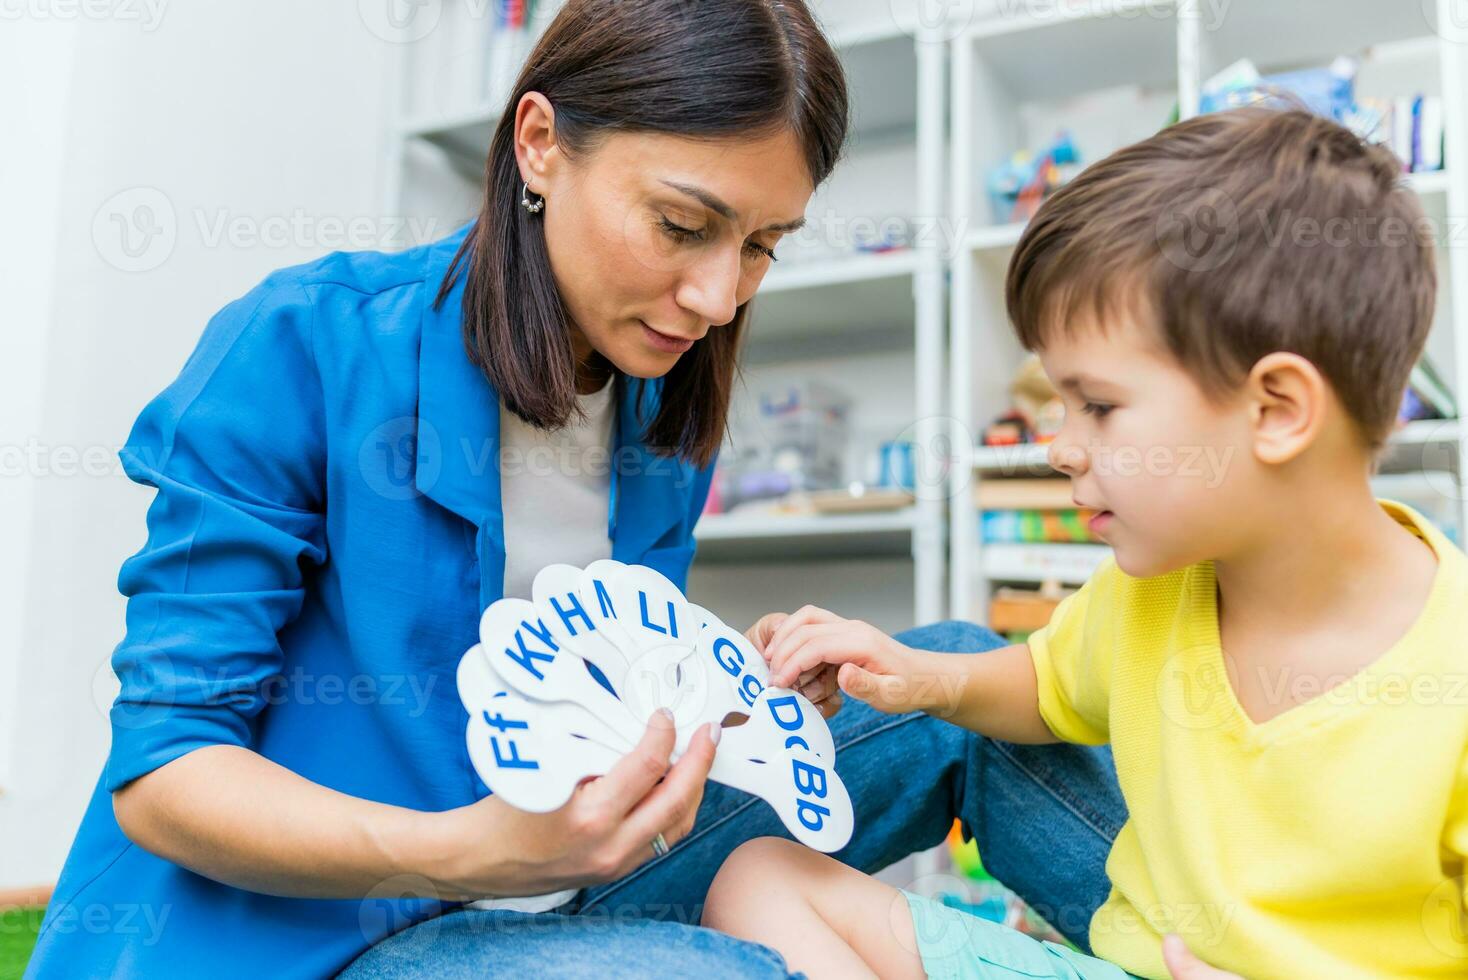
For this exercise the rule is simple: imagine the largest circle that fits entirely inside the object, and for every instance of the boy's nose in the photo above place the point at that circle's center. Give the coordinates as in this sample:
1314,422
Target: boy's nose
1067,456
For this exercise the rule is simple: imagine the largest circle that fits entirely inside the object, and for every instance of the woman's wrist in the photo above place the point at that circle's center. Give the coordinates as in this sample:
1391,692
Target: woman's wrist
432,845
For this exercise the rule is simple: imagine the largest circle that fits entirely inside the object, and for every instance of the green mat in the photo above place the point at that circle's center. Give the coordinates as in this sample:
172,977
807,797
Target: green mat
17,936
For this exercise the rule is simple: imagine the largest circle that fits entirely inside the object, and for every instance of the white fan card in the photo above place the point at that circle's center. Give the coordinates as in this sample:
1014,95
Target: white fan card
525,654
559,688
652,610
478,683
726,652
535,764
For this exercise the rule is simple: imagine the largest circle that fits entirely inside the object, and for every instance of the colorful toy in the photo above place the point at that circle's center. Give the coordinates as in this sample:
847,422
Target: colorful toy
1017,188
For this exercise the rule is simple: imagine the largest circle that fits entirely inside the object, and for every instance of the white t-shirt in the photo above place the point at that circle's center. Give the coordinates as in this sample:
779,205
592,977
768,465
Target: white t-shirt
555,489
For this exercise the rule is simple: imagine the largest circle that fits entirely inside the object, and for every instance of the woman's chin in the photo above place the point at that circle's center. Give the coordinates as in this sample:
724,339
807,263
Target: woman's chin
646,364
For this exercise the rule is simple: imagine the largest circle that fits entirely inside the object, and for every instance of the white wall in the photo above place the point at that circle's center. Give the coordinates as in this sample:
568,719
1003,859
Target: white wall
264,118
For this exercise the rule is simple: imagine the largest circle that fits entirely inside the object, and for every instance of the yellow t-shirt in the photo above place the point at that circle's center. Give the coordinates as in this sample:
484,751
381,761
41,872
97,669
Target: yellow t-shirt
1326,842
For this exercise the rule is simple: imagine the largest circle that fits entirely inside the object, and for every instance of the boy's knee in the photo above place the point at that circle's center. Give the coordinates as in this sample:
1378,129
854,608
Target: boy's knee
744,880
951,636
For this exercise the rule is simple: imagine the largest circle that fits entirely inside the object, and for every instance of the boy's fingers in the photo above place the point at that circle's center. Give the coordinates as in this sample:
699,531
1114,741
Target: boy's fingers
759,634
788,660
817,685
1179,961
1183,965
815,649
855,681
830,705
882,693
637,772
804,616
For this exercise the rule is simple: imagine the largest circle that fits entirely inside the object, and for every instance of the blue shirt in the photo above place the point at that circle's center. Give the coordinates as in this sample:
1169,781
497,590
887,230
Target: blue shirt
326,531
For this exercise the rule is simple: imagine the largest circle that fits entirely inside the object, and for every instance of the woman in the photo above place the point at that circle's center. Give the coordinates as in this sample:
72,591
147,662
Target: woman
344,482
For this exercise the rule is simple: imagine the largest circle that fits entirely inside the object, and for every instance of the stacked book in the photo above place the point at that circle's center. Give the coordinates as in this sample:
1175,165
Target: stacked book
1031,531
1410,126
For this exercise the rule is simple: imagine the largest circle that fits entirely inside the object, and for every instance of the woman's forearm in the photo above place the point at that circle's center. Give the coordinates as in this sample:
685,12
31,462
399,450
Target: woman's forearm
993,693
232,815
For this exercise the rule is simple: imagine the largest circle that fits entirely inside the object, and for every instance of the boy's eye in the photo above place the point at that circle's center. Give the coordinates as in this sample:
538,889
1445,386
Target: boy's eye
1097,409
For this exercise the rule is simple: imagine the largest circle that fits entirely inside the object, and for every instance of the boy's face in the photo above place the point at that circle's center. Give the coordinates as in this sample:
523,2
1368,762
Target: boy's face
1146,448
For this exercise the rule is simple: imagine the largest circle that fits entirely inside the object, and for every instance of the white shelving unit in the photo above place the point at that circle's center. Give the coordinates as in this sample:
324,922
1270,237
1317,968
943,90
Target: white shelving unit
871,324
737,537
1126,65
875,323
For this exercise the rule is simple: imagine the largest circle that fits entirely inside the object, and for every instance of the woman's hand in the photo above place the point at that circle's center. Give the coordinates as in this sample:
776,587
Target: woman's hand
489,849
1183,965
814,650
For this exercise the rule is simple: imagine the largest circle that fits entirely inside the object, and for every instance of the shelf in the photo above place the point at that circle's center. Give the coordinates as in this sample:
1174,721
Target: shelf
882,75
1428,183
881,66
1427,431
1031,459
464,136
1002,238
1127,42
1069,564
804,537
877,30
1274,34
1423,447
856,294
854,268
1026,459
995,237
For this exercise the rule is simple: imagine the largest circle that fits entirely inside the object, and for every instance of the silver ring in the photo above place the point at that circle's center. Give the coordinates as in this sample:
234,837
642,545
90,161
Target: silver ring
659,845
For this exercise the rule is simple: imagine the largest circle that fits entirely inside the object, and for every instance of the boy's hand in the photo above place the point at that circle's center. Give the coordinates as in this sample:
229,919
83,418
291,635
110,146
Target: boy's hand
816,649
818,686
1183,965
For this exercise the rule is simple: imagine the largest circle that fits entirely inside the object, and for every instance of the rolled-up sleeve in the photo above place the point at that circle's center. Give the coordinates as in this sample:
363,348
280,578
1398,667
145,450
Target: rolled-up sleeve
236,449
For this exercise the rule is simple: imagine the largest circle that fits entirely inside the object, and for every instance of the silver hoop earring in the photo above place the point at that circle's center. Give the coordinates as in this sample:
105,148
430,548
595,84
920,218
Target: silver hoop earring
533,207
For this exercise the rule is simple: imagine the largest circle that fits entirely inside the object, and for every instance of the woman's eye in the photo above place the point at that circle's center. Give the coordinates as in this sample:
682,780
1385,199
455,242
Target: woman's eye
683,236
1097,409
680,234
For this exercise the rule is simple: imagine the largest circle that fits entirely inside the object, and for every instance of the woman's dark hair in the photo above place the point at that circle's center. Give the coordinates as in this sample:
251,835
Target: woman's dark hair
694,68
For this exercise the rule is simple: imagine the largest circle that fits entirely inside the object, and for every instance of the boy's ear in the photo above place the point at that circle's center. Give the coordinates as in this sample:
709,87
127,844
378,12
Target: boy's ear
1288,398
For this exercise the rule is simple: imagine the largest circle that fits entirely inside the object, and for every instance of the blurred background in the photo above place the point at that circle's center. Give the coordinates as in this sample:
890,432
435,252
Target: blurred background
886,457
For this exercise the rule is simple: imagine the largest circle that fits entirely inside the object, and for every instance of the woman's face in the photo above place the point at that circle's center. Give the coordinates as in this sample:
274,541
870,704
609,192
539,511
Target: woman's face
655,240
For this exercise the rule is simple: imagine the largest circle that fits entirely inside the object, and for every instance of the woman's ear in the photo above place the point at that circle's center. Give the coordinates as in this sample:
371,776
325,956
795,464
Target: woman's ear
1288,398
536,151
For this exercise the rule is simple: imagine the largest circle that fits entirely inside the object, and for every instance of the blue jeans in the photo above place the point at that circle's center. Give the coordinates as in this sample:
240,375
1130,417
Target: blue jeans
1044,817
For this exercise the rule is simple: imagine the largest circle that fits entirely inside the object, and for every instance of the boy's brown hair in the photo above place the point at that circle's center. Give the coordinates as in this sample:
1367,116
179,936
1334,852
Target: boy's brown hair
1242,233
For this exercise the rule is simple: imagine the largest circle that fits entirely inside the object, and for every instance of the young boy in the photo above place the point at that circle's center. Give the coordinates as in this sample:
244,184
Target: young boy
1276,658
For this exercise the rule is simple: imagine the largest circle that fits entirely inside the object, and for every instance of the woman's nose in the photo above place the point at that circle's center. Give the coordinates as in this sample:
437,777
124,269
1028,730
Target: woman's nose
711,287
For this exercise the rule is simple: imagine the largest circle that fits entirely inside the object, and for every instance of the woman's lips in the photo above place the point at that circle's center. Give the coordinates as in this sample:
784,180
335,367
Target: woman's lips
664,342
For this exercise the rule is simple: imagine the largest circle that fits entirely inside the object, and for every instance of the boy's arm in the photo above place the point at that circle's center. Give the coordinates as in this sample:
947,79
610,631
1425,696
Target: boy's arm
994,693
